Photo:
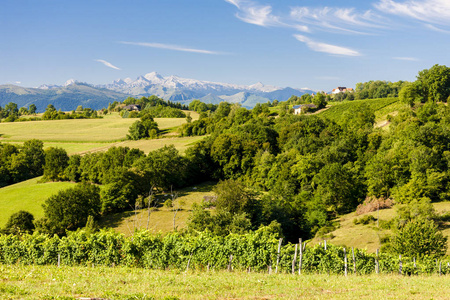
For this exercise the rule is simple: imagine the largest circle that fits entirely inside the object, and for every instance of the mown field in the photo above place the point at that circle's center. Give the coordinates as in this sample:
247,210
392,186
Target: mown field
86,135
51,282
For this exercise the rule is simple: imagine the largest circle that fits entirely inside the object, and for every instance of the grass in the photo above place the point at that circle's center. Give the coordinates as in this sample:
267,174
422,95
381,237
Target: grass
51,282
90,135
161,219
368,236
27,195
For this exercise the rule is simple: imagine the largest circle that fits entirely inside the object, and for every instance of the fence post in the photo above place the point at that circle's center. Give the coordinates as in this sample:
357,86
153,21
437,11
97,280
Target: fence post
229,263
325,245
354,260
345,262
377,263
59,260
189,262
278,254
440,268
295,259
400,265
300,262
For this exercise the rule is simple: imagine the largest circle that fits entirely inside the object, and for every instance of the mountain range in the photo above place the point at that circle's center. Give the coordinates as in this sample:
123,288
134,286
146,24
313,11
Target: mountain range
173,88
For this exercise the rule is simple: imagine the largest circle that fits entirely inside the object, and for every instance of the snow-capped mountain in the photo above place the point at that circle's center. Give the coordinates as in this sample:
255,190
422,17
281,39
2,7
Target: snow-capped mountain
175,88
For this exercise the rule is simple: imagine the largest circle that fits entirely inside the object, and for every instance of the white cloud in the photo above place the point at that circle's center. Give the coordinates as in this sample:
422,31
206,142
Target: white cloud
171,47
406,58
326,48
432,11
17,82
254,13
337,19
434,28
108,64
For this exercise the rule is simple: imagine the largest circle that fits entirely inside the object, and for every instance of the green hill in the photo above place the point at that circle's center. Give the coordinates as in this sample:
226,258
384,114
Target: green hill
381,107
27,195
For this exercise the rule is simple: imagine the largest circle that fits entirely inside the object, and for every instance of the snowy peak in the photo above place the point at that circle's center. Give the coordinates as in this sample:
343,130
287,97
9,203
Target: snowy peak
154,77
70,82
263,88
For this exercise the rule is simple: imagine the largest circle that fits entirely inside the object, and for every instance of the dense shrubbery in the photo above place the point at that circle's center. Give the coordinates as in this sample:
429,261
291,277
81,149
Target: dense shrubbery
256,250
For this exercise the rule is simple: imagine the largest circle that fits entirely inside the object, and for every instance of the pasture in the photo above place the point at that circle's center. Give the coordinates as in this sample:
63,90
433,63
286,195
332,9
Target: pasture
27,195
51,282
88,135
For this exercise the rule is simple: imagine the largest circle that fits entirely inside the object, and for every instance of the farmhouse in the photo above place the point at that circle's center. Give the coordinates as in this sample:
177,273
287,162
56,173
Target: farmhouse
341,89
298,109
133,107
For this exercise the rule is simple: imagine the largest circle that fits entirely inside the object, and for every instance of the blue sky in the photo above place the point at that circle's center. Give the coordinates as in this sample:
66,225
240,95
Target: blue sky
316,44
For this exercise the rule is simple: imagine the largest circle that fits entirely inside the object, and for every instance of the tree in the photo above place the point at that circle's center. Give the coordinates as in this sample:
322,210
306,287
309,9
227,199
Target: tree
434,83
69,209
418,238
56,161
409,93
20,222
32,109
319,100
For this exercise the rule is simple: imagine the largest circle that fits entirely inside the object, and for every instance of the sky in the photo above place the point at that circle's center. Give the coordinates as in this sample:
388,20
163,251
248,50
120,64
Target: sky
316,44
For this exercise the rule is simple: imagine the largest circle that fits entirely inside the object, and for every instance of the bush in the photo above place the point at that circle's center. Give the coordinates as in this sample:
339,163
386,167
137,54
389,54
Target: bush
20,222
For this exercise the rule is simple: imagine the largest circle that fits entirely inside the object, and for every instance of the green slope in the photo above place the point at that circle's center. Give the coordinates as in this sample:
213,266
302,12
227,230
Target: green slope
27,195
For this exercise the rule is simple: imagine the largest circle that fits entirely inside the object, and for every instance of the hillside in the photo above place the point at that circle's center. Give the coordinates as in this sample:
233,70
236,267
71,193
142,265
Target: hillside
27,195
381,107
369,236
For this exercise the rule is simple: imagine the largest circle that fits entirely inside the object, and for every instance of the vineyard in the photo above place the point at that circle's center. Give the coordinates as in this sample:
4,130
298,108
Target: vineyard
338,111
260,251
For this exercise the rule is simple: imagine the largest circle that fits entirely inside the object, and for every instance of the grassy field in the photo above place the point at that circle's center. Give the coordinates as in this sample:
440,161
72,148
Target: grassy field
368,236
50,282
161,220
87,135
27,195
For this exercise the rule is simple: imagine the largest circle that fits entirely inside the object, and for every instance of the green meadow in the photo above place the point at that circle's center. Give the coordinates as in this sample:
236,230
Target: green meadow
27,195
87,135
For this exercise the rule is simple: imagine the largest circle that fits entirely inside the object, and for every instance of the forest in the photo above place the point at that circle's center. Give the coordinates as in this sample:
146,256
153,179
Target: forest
292,173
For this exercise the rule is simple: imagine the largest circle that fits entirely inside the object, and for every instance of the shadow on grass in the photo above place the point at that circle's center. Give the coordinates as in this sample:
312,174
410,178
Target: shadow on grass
114,220
204,187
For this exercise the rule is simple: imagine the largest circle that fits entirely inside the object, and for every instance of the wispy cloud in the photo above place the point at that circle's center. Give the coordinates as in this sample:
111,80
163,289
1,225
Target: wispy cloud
326,48
108,64
434,28
406,58
431,11
172,47
254,13
337,19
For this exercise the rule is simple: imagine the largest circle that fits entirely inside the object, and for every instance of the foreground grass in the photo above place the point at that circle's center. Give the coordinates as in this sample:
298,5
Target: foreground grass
50,282
27,195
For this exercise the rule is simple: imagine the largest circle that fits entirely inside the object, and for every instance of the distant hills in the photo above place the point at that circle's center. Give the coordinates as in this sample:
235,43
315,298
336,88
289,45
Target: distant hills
173,88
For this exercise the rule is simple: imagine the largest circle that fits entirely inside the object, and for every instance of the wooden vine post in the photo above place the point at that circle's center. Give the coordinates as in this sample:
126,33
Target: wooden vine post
229,263
354,260
377,264
400,264
345,262
278,254
300,262
295,259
